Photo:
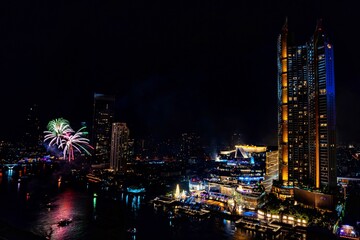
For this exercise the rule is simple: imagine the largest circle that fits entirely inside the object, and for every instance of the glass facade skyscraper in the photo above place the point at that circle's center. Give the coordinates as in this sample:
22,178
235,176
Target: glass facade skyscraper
120,151
104,111
306,111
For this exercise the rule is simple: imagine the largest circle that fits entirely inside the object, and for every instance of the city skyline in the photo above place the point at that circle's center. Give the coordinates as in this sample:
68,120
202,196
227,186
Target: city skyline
175,68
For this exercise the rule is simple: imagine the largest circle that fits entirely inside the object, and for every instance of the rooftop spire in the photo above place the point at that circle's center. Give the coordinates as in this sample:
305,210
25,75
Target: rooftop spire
285,26
319,25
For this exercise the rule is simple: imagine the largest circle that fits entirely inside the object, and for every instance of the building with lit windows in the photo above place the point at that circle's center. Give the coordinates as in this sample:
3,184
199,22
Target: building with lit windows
271,168
238,175
306,111
189,151
120,151
246,163
103,117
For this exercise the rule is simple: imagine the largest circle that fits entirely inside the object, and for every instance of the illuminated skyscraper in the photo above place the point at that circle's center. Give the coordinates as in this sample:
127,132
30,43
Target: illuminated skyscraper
120,149
104,111
271,168
306,111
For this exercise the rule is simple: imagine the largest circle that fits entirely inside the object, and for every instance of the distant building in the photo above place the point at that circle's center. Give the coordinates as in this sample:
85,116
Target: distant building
236,139
306,111
190,149
33,134
104,112
120,149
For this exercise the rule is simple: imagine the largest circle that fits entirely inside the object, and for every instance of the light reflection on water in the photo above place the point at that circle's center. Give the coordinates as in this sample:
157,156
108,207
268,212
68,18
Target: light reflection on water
96,216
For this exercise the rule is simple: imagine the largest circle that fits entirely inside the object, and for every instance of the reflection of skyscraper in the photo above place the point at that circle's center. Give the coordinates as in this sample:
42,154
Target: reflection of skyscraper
120,146
104,111
306,111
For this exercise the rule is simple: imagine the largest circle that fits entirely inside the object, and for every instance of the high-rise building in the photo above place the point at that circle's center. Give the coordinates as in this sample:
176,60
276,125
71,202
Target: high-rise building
103,117
306,110
190,148
120,146
271,168
32,139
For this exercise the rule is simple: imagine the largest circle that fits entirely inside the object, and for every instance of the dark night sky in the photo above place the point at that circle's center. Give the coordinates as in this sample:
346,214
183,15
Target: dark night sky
208,66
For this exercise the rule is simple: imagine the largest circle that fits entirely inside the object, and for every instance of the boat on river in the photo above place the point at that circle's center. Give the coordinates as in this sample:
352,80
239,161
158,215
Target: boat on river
64,222
136,189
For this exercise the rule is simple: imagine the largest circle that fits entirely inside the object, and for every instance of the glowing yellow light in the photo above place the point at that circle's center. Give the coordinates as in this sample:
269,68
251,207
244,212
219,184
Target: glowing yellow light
284,65
285,173
285,133
251,149
284,112
284,48
284,80
177,191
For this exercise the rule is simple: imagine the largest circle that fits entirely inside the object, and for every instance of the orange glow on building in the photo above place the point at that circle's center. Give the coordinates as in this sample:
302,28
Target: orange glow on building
317,158
284,95
284,80
284,65
285,154
285,133
284,173
284,49
284,113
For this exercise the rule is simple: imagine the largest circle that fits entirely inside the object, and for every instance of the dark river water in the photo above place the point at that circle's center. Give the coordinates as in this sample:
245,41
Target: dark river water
25,205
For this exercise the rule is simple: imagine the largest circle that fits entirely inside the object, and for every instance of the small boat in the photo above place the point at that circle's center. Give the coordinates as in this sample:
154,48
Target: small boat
136,189
132,231
64,222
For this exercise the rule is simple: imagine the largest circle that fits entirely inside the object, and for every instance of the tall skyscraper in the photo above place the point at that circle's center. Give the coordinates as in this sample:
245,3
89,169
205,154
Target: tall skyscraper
32,139
306,110
120,146
104,113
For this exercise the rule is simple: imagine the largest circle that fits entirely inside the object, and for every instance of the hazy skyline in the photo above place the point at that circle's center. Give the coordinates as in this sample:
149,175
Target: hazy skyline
208,67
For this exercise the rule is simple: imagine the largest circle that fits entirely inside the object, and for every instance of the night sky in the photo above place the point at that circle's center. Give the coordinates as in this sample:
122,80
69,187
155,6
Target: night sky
204,66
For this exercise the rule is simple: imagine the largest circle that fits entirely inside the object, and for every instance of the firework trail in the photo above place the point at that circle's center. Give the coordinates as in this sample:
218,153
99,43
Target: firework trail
60,133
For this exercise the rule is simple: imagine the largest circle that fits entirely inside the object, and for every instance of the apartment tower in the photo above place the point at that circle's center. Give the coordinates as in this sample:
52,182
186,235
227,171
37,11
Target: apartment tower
306,111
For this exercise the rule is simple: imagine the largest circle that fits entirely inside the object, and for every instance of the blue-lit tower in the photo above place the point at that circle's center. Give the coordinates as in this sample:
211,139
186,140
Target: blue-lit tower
322,109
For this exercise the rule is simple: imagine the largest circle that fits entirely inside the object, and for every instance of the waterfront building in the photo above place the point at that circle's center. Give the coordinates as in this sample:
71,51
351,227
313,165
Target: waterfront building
103,117
196,184
245,163
306,112
120,148
271,168
237,177
249,196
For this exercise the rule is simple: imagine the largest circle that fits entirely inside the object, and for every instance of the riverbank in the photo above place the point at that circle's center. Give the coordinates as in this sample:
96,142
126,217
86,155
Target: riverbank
10,232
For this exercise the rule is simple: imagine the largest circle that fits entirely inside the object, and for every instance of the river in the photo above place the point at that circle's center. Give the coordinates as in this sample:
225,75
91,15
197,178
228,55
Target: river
37,204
